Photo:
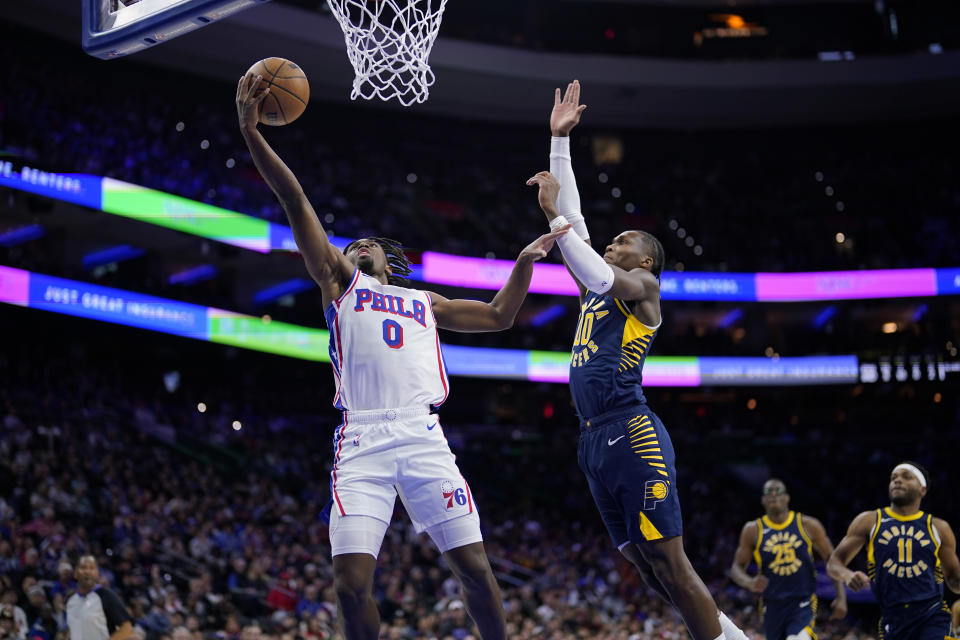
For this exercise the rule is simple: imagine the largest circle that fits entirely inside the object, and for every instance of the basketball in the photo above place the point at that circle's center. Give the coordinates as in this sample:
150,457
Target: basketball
289,90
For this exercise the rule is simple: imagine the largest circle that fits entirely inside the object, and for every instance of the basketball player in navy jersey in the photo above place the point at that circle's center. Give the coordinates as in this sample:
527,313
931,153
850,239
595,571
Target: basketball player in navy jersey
782,543
624,448
390,378
910,554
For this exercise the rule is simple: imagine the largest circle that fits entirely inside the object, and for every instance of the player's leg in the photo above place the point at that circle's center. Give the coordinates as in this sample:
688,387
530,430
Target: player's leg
630,467
935,626
632,553
362,487
463,551
609,471
355,542
730,630
776,615
800,618
685,588
438,500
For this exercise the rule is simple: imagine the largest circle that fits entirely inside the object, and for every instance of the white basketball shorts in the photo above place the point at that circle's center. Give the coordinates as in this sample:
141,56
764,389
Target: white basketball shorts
382,453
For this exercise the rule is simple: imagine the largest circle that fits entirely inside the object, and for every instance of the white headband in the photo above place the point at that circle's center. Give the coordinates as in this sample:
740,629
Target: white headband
912,469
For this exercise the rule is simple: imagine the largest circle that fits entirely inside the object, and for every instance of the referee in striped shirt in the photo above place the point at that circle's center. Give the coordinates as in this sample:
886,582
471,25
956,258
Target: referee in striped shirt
95,612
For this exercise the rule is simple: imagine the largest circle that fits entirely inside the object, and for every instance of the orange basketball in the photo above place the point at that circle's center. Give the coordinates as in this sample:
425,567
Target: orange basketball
289,90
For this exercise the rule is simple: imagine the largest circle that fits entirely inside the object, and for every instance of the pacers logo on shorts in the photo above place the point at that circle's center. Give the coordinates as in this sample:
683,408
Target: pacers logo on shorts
452,494
654,491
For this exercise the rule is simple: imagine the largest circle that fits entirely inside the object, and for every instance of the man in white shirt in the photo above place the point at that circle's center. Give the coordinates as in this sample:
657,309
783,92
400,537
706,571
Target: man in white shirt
95,612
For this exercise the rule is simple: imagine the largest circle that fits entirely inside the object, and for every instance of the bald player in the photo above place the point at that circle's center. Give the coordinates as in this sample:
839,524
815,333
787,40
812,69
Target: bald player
782,544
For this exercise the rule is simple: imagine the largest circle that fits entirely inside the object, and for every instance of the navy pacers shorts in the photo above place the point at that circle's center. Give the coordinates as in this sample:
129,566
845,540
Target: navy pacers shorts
789,616
628,459
924,620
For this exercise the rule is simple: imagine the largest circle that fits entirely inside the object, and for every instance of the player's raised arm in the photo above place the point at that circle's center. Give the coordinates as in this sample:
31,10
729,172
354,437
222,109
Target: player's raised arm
858,534
741,560
563,118
823,546
325,263
498,314
948,555
597,275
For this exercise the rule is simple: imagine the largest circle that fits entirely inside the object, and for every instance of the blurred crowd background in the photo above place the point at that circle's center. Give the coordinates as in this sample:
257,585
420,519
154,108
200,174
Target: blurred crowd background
211,531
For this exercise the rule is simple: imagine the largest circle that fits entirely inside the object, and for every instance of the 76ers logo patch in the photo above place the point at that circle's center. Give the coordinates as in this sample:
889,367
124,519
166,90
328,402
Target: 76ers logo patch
453,494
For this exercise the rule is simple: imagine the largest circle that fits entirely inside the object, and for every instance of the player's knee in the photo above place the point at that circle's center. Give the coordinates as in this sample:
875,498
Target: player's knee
643,568
667,562
352,585
664,571
656,556
471,567
352,594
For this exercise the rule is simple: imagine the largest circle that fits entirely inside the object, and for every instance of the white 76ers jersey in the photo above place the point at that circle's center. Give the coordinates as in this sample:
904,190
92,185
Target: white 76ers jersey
384,347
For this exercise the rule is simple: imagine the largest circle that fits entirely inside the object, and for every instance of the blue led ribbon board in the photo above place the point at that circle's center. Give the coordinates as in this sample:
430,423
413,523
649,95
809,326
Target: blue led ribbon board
115,28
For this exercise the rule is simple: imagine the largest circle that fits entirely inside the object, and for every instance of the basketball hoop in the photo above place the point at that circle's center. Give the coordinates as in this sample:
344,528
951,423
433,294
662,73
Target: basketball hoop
389,43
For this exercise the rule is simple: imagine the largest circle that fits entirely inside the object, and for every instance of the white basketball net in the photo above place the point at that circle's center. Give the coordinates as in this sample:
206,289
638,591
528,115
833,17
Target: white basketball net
388,43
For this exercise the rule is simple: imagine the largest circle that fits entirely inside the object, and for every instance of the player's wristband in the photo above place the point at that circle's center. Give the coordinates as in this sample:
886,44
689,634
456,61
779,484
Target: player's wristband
559,221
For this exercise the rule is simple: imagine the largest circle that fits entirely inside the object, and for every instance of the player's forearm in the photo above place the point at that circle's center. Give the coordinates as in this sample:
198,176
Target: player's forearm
551,212
583,262
837,570
308,232
841,589
275,172
508,300
741,577
952,582
568,200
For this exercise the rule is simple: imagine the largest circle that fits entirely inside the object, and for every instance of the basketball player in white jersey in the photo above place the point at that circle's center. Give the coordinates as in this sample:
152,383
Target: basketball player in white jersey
390,378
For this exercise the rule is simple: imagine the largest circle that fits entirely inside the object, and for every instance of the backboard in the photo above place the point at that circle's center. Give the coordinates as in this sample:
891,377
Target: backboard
115,28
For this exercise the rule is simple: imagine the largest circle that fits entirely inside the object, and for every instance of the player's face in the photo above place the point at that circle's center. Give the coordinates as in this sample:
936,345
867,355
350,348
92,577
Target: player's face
627,252
368,256
905,488
775,498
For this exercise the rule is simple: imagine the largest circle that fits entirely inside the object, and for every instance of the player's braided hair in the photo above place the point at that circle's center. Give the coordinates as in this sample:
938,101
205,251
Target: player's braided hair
655,249
396,260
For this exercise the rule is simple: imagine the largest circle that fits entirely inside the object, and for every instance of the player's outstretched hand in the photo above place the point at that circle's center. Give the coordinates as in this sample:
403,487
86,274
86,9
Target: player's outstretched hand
858,580
249,99
549,190
566,112
540,247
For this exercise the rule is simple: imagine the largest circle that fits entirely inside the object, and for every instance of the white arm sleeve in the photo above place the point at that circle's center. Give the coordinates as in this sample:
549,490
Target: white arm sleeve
568,202
585,263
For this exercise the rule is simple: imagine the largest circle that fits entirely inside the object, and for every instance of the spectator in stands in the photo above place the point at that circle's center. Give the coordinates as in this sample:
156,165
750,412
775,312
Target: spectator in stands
20,623
8,626
65,584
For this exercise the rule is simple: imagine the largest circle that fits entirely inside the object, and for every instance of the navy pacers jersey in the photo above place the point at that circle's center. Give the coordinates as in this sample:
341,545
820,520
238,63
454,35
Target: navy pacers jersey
903,559
609,348
784,554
